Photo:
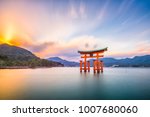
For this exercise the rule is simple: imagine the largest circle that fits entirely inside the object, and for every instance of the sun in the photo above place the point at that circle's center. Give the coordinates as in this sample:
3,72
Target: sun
4,41
7,35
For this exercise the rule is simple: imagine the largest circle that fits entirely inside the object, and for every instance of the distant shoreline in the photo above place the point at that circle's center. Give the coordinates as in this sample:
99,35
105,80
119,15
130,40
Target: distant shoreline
27,67
22,67
15,67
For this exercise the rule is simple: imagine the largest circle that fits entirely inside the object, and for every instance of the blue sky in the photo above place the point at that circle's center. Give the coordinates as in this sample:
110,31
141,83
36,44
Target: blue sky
61,27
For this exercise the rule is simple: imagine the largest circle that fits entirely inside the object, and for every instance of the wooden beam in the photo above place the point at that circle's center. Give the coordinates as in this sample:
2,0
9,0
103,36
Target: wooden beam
92,56
92,53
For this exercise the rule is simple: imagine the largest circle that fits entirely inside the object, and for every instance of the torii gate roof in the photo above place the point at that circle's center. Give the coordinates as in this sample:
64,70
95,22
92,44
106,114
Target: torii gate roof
93,51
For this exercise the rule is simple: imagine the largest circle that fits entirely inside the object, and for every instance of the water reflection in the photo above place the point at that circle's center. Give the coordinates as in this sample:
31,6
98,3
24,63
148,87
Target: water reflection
69,83
11,83
84,74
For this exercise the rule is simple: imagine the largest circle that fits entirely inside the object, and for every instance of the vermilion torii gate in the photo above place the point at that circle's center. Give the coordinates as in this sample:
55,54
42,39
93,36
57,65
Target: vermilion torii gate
97,64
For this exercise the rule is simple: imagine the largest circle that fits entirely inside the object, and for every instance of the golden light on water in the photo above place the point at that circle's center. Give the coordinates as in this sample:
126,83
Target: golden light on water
10,85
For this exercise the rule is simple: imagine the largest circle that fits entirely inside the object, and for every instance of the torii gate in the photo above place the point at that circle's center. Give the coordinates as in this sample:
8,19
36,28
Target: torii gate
97,64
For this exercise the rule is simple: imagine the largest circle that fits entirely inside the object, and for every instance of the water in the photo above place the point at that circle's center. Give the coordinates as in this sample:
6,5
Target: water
69,83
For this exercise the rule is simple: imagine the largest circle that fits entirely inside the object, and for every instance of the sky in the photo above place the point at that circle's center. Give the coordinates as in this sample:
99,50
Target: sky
60,28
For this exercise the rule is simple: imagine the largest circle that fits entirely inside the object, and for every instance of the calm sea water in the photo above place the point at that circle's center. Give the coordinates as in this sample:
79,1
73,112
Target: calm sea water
69,83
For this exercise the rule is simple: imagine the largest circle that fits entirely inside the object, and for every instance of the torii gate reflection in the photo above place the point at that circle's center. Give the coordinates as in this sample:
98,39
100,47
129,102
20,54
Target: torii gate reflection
97,64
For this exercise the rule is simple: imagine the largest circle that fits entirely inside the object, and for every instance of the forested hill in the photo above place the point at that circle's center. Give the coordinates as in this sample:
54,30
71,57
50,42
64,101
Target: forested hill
15,56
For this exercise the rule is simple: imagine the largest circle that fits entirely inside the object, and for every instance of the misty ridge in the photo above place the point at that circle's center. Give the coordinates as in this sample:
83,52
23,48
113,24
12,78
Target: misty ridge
137,61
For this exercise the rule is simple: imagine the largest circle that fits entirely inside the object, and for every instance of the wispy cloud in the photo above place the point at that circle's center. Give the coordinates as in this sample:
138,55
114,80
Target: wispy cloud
72,12
103,11
82,10
60,28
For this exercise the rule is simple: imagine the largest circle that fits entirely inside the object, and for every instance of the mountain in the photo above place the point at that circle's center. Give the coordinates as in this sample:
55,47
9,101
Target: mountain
64,62
107,61
13,52
11,56
137,61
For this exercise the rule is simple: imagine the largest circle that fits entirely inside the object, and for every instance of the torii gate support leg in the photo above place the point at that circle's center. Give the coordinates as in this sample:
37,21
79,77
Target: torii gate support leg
88,66
85,63
80,66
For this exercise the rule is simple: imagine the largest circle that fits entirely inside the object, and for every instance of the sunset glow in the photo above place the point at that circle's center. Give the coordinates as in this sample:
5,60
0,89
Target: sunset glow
61,27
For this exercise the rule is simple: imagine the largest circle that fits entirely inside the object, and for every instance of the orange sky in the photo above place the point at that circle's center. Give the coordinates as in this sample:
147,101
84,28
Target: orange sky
64,29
